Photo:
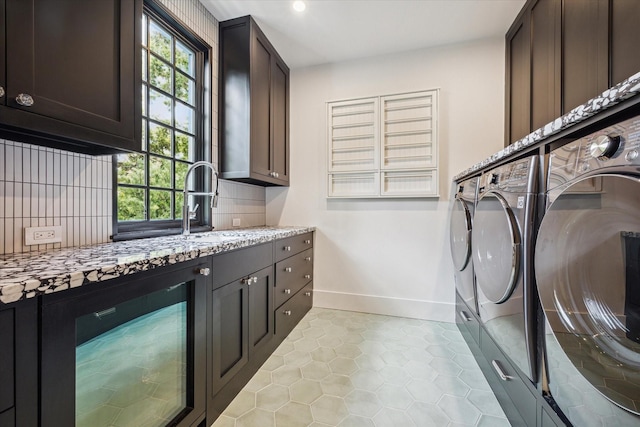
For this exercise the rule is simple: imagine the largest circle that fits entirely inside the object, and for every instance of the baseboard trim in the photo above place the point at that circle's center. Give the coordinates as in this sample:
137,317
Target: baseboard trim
400,307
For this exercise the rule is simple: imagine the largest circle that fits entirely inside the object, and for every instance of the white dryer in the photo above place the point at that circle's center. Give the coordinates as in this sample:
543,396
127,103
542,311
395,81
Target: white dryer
587,269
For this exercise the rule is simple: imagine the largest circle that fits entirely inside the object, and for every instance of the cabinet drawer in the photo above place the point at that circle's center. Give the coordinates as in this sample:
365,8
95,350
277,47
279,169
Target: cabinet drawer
284,248
514,386
7,374
292,274
466,318
231,266
290,313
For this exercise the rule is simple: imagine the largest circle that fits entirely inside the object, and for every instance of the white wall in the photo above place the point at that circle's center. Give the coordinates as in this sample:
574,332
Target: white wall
390,256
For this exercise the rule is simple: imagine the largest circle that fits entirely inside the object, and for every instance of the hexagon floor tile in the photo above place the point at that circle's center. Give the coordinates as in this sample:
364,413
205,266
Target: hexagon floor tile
340,368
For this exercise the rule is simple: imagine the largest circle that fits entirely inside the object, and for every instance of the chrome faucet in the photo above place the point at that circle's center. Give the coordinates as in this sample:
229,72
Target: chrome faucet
187,213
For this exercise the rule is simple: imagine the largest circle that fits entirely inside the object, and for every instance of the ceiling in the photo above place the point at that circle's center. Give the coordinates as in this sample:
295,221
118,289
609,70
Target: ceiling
340,30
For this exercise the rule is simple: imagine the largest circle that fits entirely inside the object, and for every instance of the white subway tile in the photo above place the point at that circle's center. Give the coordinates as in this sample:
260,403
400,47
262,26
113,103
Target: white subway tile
42,166
57,167
8,235
3,146
42,201
17,200
17,163
26,164
50,167
35,164
8,165
57,204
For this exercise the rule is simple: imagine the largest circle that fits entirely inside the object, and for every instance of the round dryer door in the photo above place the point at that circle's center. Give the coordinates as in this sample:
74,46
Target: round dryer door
496,247
587,265
460,234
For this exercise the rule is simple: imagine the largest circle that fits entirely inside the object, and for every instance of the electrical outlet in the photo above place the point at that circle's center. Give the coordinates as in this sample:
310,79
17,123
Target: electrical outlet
236,222
42,235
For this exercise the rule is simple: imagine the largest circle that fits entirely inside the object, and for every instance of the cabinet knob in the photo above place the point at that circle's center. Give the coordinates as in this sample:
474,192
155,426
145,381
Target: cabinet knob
277,175
307,242
308,294
308,258
288,269
287,248
204,271
307,276
287,312
1,91
287,291
24,99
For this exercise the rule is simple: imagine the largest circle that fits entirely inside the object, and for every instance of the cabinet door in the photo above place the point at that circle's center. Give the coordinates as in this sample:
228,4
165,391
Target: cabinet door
7,374
3,85
230,329
625,39
76,60
261,309
545,62
517,120
280,119
584,51
260,107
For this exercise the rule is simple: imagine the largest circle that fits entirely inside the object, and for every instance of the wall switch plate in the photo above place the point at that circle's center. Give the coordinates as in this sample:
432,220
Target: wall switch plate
41,235
236,222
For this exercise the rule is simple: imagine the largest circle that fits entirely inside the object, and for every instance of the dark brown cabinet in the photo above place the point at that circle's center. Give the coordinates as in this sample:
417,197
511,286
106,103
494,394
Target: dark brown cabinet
18,364
72,74
625,39
561,53
241,312
584,51
254,106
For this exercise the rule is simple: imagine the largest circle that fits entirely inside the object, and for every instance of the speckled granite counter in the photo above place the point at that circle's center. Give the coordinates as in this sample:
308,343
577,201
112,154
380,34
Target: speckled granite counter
610,97
26,275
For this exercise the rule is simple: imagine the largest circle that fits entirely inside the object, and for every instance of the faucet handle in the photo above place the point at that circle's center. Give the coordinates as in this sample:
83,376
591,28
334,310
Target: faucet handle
192,213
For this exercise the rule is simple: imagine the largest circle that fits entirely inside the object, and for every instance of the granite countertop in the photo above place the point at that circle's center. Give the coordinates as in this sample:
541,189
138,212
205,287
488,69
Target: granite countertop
610,97
26,275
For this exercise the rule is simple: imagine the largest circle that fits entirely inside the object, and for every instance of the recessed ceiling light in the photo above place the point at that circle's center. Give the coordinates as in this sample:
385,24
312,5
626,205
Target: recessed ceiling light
299,6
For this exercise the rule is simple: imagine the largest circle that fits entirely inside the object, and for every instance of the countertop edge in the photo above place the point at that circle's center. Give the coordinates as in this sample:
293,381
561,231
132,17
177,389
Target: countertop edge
121,259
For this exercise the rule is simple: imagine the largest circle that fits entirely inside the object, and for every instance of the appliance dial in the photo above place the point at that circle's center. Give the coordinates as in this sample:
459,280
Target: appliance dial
631,155
604,146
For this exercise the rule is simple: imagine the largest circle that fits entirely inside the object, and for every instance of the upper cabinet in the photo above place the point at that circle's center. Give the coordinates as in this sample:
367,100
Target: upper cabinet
254,106
72,76
561,53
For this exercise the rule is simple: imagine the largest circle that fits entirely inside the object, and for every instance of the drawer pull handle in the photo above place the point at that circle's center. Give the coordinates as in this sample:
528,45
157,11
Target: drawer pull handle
288,269
249,280
465,316
287,312
204,271
307,242
308,258
500,371
307,276
103,313
287,291
287,248
1,91
307,294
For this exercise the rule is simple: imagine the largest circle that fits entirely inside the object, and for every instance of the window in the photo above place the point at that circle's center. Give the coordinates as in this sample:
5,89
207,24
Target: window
149,185
383,146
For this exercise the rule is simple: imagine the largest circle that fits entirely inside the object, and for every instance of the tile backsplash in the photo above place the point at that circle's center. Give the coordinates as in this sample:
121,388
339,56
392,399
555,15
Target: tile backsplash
43,186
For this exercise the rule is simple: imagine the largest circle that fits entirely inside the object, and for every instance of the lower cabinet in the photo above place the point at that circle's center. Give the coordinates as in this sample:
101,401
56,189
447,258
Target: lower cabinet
18,364
152,343
517,401
242,323
290,313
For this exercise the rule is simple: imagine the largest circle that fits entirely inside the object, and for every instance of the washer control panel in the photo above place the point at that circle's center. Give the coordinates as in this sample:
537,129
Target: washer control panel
615,146
512,177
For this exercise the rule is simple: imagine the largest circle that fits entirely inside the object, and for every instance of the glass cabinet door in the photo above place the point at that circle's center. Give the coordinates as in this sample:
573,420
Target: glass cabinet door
127,355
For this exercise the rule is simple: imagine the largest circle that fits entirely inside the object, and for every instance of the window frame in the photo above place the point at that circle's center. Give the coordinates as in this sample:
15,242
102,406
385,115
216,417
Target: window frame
125,230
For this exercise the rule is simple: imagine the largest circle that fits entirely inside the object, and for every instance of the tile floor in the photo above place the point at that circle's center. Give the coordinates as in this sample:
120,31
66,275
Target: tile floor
346,369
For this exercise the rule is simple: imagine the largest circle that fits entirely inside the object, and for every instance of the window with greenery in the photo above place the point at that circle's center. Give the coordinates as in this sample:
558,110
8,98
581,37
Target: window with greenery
149,185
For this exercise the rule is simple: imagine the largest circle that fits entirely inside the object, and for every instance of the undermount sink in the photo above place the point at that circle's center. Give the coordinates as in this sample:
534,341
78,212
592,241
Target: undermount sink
205,237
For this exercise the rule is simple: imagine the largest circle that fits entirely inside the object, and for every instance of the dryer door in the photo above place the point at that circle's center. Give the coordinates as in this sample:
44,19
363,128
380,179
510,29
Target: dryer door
460,234
496,247
587,266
